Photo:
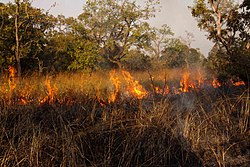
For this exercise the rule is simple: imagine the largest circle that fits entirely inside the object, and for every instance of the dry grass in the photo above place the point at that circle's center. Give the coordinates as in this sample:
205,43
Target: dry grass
208,128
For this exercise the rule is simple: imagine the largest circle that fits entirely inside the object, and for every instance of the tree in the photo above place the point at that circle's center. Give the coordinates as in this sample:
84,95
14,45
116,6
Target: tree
159,40
6,58
217,62
136,61
61,42
17,53
187,41
28,26
228,27
117,25
175,55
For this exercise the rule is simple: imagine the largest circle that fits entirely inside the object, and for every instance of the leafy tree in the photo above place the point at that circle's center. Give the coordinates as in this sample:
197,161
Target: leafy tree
61,41
217,62
175,55
159,40
116,26
195,57
5,32
70,47
228,27
23,32
136,61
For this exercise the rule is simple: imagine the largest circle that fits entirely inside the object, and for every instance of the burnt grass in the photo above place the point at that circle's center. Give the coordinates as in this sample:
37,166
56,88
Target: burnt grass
206,128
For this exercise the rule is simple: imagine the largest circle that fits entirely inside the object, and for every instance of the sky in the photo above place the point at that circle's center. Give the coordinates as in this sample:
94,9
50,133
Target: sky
174,13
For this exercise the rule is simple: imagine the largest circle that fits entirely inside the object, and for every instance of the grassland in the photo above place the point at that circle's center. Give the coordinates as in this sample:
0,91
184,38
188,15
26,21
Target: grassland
67,120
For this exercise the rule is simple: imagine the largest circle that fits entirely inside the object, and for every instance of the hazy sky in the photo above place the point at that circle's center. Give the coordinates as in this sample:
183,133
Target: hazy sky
174,13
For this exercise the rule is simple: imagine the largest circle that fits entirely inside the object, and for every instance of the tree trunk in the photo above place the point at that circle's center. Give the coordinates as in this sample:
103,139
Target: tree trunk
17,52
40,67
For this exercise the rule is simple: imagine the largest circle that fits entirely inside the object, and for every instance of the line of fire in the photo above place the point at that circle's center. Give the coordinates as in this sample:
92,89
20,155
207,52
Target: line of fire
123,84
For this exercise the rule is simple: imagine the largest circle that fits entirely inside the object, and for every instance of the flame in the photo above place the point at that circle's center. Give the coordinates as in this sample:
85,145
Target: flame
116,82
12,72
23,101
184,82
25,94
158,90
98,97
238,83
166,90
215,83
163,91
133,86
51,92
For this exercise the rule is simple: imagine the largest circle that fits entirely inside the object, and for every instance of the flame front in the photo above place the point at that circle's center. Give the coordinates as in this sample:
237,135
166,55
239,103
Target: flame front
184,82
163,91
51,92
12,72
116,82
216,83
158,90
133,86
238,83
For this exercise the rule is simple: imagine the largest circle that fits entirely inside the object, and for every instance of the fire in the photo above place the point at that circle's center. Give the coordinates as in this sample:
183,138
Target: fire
12,72
51,92
133,86
103,103
238,83
116,82
184,82
158,90
23,101
166,90
189,82
163,91
25,93
216,83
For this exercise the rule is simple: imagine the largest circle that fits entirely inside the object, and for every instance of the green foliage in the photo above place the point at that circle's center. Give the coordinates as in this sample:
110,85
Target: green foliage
117,25
136,61
175,55
33,25
159,39
85,55
228,27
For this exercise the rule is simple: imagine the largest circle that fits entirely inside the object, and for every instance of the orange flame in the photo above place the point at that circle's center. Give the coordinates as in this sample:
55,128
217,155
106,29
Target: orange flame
12,72
158,90
184,82
134,87
116,83
166,90
51,92
216,83
163,91
25,94
102,103
238,83
23,101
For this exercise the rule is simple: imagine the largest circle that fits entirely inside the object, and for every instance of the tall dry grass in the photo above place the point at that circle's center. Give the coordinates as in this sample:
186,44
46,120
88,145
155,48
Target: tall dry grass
205,128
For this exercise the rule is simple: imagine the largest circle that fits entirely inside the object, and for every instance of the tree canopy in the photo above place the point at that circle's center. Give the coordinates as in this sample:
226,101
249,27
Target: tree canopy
228,26
116,33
